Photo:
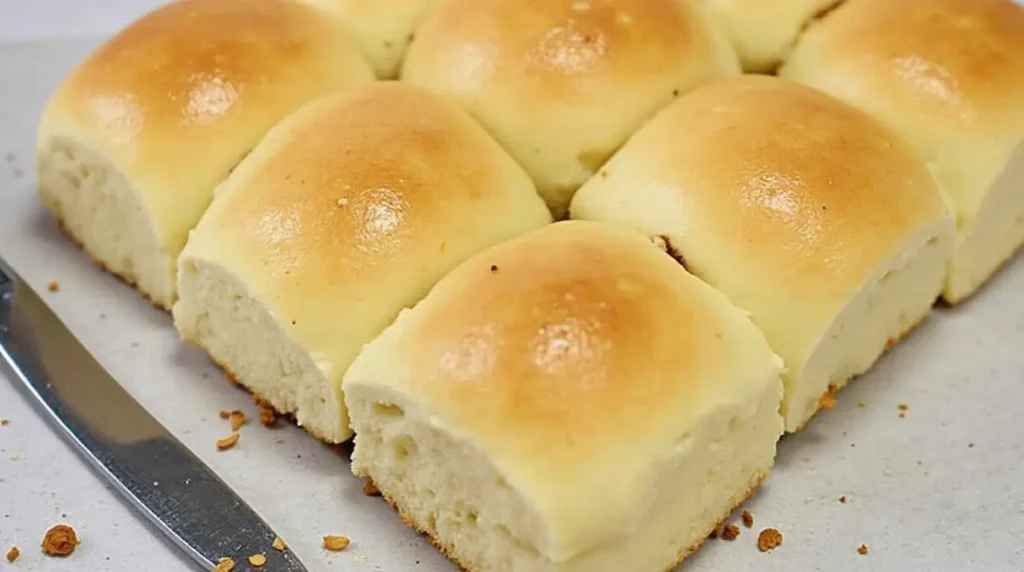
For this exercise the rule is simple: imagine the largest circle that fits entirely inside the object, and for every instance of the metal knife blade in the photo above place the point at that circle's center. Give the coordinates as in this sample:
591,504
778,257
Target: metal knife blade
158,475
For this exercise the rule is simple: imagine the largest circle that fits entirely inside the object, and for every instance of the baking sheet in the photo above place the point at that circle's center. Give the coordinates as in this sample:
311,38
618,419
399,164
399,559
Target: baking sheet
939,489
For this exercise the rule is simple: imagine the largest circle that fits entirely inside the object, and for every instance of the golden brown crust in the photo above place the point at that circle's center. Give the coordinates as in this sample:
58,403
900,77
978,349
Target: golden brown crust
174,100
957,62
760,176
511,336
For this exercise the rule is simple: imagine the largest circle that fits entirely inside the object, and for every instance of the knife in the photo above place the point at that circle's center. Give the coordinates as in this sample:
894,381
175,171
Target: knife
155,472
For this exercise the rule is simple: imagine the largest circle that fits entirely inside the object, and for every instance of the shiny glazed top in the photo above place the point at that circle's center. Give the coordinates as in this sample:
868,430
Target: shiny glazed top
781,196
354,206
562,83
177,98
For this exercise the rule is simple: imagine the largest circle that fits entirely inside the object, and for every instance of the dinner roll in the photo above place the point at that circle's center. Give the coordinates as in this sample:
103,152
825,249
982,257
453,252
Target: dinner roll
561,84
348,210
569,401
948,75
383,30
802,210
133,142
764,31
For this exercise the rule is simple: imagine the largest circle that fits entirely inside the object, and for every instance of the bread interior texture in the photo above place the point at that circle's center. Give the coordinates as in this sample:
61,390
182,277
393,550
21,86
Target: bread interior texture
99,209
217,313
444,485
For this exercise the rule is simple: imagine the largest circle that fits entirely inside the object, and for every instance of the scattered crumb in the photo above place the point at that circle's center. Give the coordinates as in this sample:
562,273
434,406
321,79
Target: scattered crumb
862,404
60,540
224,565
494,268
729,532
748,519
969,445
237,420
15,459
268,417
862,549
371,490
224,414
828,400
903,409
258,560
6,422
336,543
807,459
769,539
278,544
13,554
842,499
53,287
228,442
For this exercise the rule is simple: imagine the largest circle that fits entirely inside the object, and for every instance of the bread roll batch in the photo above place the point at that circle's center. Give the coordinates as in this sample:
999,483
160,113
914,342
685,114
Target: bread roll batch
133,143
804,211
590,395
948,75
570,400
561,85
349,210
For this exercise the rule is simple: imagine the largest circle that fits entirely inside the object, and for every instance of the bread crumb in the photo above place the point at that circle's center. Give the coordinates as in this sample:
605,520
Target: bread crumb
258,560
862,549
224,414
862,404
278,544
268,417
842,499
60,540
903,409
729,532
5,422
228,442
53,287
370,489
748,519
237,420
769,539
224,565
13,554
828,400
336,543
494,268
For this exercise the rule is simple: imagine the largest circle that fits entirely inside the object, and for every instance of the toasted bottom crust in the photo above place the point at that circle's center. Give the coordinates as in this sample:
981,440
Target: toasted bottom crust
834,387
258,399
683,554
129,280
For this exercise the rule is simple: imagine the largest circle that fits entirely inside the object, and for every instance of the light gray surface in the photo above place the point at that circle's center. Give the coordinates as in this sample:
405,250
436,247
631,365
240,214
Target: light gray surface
942,489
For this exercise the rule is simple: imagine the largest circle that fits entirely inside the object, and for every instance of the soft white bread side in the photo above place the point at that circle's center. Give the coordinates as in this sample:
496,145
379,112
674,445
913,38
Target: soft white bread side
133,143
383,29
948,75
349,210
804,211
561,84
569,401
764,31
